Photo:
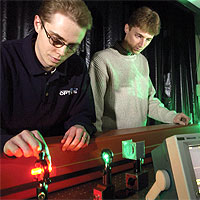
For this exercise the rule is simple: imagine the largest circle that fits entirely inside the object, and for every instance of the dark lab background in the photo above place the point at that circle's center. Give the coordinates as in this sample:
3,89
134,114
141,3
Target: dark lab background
171,54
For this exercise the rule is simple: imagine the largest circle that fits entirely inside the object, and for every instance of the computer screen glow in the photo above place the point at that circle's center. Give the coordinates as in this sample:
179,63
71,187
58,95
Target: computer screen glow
195,157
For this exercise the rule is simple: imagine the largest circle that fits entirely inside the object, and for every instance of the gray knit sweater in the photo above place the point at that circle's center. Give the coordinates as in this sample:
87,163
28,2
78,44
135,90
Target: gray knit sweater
123,91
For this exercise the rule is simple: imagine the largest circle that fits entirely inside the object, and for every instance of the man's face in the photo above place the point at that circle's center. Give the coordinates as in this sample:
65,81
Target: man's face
136,40
62,28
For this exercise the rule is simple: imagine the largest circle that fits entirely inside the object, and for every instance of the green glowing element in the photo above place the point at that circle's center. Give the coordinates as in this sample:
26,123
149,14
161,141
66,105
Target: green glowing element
133,150
127,149
195,2
107,156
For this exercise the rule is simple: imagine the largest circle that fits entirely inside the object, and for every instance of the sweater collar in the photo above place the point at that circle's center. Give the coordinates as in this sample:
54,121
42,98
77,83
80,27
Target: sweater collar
121,49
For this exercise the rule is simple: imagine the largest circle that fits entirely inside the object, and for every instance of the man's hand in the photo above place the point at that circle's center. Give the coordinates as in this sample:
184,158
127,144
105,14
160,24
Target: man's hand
75,138
181,118
27,144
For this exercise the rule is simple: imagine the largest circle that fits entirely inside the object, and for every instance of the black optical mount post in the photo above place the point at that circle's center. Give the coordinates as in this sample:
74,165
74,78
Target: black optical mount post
106,189
135,151
43,179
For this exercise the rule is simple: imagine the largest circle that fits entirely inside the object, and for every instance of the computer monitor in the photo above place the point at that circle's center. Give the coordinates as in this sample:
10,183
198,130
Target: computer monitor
179,155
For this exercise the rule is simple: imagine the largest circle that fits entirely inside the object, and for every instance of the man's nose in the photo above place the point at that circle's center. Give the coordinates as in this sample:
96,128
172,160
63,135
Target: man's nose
142,42
62,50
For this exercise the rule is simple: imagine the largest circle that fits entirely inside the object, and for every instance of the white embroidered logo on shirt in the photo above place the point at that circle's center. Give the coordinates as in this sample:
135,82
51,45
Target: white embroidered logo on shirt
69,92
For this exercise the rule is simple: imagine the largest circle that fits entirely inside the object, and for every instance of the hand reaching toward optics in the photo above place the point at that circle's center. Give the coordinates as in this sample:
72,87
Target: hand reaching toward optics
75,138
27,144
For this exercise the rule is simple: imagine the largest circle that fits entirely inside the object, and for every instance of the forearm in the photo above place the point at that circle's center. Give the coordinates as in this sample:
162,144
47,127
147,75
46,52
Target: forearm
158,112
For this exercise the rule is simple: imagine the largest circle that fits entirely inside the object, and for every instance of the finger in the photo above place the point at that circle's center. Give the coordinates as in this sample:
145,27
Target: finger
69,138
18,153
11,149
38,135
63,140
187,120
83,143
79,145
74,143
181,122
65,137
23,145
177,118
32,141
87,142
79,138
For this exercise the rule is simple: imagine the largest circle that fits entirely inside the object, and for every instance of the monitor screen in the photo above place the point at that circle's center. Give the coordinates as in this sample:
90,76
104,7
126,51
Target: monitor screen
179,155
195,157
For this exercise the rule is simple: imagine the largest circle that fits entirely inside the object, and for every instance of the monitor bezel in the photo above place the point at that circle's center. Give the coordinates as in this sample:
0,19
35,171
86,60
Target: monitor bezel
181,164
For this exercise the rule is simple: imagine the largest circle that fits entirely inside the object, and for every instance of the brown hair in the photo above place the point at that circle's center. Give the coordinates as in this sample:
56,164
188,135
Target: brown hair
146,19
75,9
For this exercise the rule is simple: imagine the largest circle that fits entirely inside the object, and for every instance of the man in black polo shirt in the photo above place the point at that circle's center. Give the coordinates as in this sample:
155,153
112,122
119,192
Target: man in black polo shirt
45,87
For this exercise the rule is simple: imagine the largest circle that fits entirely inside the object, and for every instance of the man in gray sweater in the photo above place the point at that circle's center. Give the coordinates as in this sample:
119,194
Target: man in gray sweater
123,91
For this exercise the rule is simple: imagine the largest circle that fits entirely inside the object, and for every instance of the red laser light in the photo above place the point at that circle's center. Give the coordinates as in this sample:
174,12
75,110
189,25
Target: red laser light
50,168
37,171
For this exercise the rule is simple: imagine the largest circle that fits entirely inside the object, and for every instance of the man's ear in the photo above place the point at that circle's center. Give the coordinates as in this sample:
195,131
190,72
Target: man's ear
37,23
126,28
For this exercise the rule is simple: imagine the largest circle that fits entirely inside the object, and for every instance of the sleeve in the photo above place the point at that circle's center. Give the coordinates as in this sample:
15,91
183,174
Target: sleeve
4,100
83,111
99,80
4,138
157,109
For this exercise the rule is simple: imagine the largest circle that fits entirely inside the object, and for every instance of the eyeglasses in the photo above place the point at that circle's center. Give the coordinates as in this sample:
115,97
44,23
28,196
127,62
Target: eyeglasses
53,40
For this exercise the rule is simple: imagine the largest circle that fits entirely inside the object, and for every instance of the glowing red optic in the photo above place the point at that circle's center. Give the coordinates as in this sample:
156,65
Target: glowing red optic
37,171
40,170
50,168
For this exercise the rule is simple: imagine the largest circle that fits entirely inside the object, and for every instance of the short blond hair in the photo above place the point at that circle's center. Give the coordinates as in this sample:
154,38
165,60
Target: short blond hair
146,19
77,10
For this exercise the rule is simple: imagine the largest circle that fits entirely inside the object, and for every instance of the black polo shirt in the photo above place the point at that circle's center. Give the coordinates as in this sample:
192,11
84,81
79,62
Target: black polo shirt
34,99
